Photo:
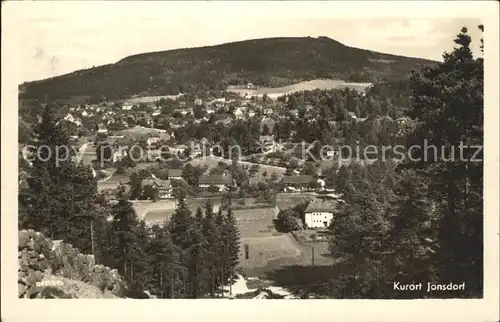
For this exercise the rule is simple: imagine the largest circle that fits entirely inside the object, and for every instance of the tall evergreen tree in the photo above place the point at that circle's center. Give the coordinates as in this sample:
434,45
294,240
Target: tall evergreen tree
124,236
139,265
163,264
232,242
198,272
212,236
59,195
412,240
448,103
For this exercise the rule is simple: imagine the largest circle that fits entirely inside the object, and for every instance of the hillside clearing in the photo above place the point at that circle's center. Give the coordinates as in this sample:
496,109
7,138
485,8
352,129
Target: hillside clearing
322,84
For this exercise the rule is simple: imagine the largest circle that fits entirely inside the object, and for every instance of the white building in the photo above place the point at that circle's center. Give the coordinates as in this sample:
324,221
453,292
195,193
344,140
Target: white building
268,111
119,155
72,119
267,144
152,141
238,113
319,214
101,128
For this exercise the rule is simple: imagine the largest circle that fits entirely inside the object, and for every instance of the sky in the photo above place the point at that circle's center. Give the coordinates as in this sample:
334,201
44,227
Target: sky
69,36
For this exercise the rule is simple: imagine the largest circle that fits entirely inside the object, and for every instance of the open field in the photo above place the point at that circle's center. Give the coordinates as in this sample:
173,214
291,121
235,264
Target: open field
265,249
212,162
274,92
286,200
302,256
149,99
255,222
140,130
154,212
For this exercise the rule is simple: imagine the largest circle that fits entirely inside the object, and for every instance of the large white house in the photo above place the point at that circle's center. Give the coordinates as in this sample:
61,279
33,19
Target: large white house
319,214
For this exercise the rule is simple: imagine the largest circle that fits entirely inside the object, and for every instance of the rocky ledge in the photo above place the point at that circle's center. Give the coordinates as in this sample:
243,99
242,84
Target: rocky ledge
54,269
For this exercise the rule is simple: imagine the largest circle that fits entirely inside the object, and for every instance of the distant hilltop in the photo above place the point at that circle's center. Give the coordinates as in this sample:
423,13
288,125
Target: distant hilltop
270,62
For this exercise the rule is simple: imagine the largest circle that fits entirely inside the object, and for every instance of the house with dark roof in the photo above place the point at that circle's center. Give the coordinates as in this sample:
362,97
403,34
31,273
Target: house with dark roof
222,181
164,187
319,213
175,174
298,183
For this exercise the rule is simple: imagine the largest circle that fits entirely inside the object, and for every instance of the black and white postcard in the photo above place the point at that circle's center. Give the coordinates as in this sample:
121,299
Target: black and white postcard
201,151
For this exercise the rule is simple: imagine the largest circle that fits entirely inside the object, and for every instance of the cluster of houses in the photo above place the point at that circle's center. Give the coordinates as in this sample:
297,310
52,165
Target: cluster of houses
164,188
222,182
120,116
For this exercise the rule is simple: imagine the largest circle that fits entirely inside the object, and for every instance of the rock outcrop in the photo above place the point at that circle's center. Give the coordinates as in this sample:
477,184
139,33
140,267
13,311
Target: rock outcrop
54,269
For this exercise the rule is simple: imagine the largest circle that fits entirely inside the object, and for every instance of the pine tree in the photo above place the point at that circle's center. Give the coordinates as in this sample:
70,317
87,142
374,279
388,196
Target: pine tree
412,240
100,229
233,244
124,236
140,265
163,264
59,194
199,217
221,249
212,236
198,272
448,103
188,239
180,225
360,230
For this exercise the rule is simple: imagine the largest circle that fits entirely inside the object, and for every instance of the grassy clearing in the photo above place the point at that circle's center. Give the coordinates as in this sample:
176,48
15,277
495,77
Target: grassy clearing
149,99
271,260
289,200
324,84
255,222
264,250
140,130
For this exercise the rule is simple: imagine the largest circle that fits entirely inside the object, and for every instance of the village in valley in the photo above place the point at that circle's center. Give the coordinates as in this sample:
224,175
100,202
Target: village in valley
244,184
283,203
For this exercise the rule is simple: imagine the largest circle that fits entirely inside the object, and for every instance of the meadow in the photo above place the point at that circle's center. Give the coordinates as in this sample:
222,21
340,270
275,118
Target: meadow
323,84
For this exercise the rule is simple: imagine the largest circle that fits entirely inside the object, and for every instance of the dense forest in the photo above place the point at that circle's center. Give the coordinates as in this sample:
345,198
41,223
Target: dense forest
267,62
417,221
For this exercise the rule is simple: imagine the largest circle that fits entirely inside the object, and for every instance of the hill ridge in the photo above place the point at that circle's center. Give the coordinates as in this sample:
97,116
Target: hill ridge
271,62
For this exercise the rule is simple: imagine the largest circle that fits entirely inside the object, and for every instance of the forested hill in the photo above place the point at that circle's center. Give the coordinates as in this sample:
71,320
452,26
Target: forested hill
267,62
